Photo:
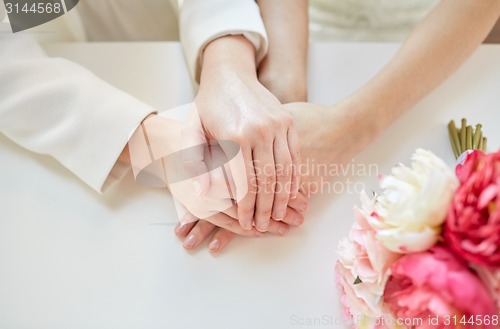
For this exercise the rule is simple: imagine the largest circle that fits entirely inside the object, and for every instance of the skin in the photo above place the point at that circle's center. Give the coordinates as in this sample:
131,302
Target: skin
222,227
287,24
434,50
166,137
287,48
233,105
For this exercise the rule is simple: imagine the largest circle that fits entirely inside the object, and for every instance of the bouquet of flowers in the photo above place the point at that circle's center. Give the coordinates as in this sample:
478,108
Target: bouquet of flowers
425,252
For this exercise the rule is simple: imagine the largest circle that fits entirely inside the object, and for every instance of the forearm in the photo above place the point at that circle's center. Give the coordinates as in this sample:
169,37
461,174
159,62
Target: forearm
286,24
433,51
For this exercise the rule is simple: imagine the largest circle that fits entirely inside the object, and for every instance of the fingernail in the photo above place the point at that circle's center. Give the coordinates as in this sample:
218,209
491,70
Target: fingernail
303,206
214,245
283,230
247,226
190,241
262,229
297,221
279,215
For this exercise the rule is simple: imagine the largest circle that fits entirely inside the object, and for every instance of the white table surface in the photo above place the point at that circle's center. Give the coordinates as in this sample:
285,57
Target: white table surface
70,258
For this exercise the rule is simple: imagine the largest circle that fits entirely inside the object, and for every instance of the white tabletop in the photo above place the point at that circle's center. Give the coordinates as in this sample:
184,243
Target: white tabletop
70,258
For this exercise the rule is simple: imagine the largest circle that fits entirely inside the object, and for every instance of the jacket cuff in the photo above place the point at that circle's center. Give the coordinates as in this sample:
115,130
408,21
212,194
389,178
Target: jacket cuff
203,21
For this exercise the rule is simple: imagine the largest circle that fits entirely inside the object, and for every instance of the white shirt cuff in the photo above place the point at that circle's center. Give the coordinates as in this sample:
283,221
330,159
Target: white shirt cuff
203,21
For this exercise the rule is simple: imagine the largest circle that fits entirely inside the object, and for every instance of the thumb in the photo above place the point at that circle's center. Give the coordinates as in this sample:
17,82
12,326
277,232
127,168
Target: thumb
197,171
194,154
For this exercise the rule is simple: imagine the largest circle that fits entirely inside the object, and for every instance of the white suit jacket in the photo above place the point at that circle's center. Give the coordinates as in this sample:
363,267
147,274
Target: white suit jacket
53,106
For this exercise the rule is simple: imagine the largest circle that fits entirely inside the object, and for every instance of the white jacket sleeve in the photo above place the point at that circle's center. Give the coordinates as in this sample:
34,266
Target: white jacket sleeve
3,14
53,106
202,21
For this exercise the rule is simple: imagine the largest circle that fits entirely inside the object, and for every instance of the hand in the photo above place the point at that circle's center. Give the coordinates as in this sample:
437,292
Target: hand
234,106
202,183
194,233
339,135
160,150
162,145
340,132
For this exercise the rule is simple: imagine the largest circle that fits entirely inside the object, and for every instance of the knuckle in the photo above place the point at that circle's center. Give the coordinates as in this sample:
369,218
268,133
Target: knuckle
281,199
284,171
262,131
287,120
246,209
232,225
268,180
295,155
205,229
239,135
236,136
252,185
265,212
282,119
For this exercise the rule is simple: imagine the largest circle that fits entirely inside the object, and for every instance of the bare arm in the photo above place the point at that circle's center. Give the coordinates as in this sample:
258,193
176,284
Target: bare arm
283,71
433,51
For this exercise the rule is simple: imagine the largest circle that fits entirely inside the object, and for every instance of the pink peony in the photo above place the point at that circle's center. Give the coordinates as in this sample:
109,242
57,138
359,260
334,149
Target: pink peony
362,272
436,285
356,311
472,229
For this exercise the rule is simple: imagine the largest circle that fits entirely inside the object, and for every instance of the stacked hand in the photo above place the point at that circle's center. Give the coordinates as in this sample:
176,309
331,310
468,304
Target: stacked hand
233,166
233,105
182,149
335,143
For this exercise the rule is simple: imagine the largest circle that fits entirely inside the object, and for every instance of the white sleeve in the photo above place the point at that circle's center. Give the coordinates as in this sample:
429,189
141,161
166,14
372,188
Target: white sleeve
3,14
53,106
202,21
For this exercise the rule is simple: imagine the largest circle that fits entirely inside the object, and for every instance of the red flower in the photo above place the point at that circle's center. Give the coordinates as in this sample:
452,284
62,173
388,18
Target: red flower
472,228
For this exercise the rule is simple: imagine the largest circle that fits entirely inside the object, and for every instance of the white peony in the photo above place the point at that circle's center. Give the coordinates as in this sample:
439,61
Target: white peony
413,205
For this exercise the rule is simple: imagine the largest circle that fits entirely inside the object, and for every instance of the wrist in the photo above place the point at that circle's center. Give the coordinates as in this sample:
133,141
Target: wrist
362,114
161,135
287,85
154,138
229,54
